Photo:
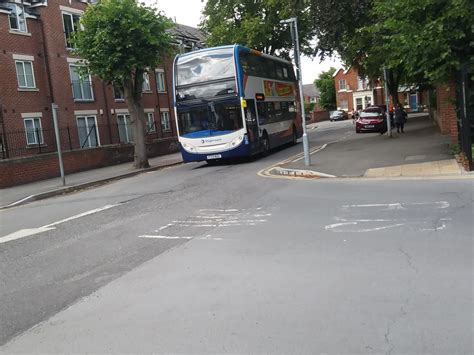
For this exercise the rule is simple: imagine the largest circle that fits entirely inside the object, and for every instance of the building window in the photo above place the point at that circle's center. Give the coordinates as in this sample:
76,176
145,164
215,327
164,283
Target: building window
88,132
146,82
125,128
150,122
81,84
33,130
17,18
71,25
165,121
119,94
359,105
342,84
24,74
160,81
344,105
362,83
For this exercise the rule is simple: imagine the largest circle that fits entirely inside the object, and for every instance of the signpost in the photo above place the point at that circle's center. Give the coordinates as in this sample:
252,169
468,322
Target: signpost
54,107
293,22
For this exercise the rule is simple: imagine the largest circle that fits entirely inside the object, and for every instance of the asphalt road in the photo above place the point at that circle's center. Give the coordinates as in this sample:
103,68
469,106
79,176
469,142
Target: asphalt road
215,259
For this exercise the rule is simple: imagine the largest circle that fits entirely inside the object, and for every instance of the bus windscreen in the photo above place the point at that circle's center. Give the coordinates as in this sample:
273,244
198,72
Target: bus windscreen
211,65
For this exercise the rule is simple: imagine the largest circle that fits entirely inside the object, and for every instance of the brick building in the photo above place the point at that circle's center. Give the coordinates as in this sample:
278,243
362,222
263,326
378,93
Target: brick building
37,69
356,93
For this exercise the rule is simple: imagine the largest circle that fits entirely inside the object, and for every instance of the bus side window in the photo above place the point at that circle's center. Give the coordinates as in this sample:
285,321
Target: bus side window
262,113
279,70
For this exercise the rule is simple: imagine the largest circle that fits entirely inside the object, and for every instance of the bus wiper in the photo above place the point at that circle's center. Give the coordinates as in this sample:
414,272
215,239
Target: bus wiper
210,105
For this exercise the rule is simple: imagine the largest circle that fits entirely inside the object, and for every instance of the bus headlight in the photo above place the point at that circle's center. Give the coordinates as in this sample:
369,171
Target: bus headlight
237,141
188,147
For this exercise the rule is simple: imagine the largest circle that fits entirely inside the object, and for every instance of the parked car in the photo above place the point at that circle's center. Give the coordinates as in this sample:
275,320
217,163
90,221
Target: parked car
371,119
338,115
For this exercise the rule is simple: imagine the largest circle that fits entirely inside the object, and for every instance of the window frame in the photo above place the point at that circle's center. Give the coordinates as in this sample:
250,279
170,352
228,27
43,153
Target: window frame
165,127
81,81
33,119
150,128
345,84
346,106
127,125
17,61
146,87
71,15
16,6
115,91
88,129
160,78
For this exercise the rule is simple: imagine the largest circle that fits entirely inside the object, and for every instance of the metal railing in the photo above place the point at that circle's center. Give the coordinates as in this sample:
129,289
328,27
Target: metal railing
20,143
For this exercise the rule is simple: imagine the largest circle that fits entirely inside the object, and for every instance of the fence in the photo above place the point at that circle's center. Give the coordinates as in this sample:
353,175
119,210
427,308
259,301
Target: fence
34,141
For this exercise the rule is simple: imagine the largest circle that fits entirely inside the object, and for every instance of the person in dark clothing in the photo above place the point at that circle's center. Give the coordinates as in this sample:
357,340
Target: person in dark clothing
400,117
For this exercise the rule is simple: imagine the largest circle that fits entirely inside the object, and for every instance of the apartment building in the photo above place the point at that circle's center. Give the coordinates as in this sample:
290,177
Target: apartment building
38,68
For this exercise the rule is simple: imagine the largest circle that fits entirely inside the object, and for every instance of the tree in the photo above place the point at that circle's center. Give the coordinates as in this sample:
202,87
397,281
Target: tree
416,41
256,24
429,38
120,40
327,88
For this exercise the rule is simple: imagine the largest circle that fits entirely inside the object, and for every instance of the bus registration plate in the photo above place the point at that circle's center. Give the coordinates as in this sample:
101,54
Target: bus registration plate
214,156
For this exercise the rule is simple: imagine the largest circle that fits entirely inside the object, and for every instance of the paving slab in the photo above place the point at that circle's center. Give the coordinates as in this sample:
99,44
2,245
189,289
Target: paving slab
420,151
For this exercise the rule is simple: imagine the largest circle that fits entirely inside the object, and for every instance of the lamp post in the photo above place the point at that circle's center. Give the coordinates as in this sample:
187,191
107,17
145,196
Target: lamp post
387,103
54,107
293,22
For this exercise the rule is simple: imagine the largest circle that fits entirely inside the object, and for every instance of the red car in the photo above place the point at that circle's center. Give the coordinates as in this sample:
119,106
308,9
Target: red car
372,119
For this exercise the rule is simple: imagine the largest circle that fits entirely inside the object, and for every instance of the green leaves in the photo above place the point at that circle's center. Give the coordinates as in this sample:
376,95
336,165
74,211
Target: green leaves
327,88
121,36
256,24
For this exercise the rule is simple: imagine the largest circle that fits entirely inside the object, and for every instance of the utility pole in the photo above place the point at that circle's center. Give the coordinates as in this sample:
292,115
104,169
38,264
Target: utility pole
293,22
54,107
387,103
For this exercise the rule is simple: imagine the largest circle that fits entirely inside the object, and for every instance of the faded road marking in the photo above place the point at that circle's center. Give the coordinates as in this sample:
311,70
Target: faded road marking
32,231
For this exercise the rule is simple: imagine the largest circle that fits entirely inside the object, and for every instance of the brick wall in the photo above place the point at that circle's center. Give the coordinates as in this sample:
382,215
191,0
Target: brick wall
29,169
446,111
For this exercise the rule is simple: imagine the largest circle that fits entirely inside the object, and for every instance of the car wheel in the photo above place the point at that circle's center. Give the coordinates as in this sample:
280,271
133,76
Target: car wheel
357,130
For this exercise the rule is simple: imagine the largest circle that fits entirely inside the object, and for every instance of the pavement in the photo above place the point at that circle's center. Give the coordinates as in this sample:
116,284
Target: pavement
419,152
422,151
21,194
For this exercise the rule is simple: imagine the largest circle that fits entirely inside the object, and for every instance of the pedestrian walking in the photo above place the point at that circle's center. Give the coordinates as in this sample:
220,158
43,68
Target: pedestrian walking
400,118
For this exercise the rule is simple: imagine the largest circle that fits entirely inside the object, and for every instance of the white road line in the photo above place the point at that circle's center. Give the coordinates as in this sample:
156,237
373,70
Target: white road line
32,231
207,237
400,205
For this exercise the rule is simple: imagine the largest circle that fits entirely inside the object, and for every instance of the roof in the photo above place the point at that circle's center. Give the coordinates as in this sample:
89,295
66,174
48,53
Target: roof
188,33
310,90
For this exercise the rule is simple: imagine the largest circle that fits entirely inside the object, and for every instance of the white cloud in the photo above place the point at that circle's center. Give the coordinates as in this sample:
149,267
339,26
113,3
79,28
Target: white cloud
188,12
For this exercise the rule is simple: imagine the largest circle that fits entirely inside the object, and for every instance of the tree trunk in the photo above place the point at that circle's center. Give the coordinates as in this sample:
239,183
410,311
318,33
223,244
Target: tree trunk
133,97
392,85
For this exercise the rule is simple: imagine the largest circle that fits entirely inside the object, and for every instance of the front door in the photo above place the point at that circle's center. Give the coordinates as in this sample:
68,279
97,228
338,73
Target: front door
413,102
252,125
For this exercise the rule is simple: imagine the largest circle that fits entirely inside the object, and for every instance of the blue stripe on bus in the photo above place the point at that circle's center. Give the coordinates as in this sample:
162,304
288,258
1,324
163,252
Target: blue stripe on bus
240,73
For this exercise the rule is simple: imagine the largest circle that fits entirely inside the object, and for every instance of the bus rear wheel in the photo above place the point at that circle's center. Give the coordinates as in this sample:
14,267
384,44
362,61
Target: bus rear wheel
265,145
295,136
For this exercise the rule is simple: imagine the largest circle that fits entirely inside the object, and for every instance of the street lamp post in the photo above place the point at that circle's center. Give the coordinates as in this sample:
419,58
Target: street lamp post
293,22
387,103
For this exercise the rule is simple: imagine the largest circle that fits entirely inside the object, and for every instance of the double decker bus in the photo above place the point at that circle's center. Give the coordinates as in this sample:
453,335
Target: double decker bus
232,101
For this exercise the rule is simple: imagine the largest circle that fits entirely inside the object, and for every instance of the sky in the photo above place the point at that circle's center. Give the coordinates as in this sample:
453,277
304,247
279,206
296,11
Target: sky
188,12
